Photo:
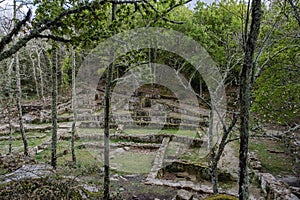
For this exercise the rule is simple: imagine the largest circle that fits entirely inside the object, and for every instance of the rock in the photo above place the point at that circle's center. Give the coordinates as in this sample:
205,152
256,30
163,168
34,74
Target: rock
124,179
126,148
120,129
115,177
184,195
119,150
29,171
291,180
273,188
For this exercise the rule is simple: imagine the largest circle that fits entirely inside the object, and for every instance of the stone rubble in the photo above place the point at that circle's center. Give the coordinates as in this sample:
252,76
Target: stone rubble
272,188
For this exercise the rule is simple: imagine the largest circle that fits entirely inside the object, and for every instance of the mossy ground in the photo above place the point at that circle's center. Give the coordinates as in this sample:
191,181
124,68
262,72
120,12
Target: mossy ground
274,163
221,197
89,166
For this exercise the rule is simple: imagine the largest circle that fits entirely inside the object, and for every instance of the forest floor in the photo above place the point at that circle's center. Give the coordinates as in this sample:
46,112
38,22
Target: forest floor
130,166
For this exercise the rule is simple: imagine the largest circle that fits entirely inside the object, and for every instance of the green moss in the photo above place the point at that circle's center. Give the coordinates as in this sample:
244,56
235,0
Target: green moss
54,187
174,131
221,197
275,163
133,162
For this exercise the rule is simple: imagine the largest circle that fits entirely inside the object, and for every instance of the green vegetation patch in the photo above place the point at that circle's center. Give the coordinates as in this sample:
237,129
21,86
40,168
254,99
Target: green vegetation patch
133,162
44,188
187,133
275,163
221,197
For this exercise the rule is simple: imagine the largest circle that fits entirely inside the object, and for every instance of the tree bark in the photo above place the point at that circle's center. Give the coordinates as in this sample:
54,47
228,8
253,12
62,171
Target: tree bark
106,131
73,107
106,119
19,105
19,94
248,66
54,107
35,76
217,156
41,75
9,107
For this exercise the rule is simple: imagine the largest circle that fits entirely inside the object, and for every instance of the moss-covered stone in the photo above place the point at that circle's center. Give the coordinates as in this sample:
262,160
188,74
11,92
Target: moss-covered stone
43,188
221,197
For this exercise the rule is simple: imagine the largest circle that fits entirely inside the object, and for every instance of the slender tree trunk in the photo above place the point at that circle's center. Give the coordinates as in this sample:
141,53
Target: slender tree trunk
245,98
214,173
213,164
41,75
10,126
210,130
106,132
18,97
106,121
73,107
217,156
54,107
35,77
19,94
9,107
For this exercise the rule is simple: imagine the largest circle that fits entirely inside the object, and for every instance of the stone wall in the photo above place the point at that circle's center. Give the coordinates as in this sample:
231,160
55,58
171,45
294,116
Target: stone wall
272,188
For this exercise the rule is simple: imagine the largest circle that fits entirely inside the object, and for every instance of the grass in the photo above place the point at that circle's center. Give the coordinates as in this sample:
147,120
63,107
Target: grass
83,155
274,163
18,144
133,162
92,159
196,155
187,133
221,197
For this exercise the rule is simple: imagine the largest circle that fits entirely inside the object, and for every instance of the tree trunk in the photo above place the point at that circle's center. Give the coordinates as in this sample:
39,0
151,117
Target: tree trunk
73,107
18,97
106,120
41,75
106,132
245,98
213,164
9,107
19,94
215,157
10,126
214,173
35,76
54,107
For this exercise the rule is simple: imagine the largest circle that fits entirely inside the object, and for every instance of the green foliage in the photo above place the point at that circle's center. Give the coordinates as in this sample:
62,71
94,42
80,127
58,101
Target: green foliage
218,28
276,92
219,31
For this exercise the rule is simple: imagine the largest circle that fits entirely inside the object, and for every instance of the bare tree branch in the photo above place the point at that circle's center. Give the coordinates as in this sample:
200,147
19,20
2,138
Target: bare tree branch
295,11
8,38
53,37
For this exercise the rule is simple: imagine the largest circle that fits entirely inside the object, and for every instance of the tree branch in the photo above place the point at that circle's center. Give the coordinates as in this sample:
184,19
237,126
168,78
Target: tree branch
53,37
45,25
162,15
8,38
295,11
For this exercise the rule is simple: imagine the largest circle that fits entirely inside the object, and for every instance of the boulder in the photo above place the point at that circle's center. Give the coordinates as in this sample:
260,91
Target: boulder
28,171
183,195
